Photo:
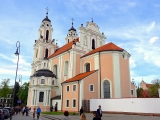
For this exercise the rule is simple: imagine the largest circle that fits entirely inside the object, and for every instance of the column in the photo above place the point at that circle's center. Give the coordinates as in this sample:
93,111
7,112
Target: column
44,102
33,98
46,97
28,98
37,97
49,97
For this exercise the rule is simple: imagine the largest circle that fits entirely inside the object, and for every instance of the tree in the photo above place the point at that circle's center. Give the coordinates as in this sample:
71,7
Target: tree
5,90
16,89
153,89
23,93
139,92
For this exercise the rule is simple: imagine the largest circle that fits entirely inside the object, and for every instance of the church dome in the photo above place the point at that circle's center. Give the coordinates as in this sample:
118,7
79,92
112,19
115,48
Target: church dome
46,19
43,72
72,28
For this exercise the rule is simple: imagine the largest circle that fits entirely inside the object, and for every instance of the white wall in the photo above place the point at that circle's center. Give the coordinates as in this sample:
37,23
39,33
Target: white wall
134,105
59,103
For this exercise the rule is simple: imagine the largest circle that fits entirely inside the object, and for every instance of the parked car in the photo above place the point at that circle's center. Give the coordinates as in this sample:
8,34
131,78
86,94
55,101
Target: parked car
1,115
6,113
11,110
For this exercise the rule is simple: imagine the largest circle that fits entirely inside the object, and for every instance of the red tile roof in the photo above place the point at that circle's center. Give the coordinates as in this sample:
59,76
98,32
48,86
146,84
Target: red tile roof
79,76
64,48
107,47
148,85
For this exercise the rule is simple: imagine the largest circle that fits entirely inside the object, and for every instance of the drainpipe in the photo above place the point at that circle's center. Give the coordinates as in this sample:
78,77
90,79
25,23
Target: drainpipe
78,94
100,73
62,98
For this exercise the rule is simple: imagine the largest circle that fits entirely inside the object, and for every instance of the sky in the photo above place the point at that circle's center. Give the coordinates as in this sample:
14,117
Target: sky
133,25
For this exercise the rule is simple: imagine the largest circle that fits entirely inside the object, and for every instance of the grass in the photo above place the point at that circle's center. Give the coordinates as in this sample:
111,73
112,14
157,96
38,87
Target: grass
59,113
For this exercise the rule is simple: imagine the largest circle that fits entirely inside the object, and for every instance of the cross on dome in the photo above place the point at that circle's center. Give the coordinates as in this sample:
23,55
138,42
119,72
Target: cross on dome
47,11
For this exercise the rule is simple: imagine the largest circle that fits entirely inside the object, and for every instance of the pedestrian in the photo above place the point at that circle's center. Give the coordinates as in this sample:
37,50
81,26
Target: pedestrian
83,116
81,111
51,109
56,107
96,117
23,111
66,116
99,111
38,112
34,113
26,110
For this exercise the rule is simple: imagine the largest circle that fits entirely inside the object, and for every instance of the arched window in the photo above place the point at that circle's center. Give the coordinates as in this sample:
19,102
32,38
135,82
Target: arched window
46,53
52,82
36,53
55,70
87,67
106,89
68,40
93,44
66,68
47,34
41,96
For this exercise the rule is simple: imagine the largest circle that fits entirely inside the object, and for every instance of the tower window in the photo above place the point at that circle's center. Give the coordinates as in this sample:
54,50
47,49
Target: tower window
87,67
53,82
47,34
68,40
36,53
55,70
47,25
66,68
46,53
93,44
42,81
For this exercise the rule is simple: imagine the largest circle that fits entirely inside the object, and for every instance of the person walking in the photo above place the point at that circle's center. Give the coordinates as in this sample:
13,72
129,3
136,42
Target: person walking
99,111
34,113
81,111
66,116
26,111
38,112
23,111
96,117
83,117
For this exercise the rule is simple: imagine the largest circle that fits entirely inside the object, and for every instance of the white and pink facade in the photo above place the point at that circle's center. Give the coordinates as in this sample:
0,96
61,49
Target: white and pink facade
84,68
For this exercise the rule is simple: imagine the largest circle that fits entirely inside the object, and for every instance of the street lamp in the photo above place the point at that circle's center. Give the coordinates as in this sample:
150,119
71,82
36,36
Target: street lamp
17,53
20,79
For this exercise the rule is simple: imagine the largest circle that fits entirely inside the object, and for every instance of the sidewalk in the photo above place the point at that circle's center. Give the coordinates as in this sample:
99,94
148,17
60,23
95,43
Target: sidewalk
112,117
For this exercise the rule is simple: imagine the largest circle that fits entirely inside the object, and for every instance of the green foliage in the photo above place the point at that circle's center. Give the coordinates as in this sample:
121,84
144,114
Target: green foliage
23,93
5,90
139,92
153,89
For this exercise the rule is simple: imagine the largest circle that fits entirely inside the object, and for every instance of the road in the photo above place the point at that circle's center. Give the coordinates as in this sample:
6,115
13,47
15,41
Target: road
20,117
90,117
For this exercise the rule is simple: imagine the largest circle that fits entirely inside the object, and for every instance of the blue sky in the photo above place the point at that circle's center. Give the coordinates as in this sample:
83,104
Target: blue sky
132,24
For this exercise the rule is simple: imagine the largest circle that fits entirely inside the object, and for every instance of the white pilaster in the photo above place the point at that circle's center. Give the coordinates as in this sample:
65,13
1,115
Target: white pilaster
37,100
116,74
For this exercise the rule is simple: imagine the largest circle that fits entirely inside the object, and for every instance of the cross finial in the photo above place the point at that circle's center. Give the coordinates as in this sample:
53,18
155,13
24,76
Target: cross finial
72,21
92,19
47,11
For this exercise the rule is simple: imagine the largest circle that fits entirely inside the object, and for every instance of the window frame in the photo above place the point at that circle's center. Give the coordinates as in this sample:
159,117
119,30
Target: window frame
41,81
67,89
40,97
90,89
66,103
73,103
73,87
131,92
66,67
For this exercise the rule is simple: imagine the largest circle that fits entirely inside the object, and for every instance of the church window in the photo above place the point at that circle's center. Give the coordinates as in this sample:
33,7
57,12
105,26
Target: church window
47,25
42,81
33,82
55,70
36,53
106,89
46,53
68,40
47,34
66,68
41,96
87,67
131,92
67,103
52,82
93,44
91,88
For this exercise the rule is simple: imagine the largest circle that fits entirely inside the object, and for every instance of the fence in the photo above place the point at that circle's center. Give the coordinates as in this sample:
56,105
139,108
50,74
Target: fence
130,105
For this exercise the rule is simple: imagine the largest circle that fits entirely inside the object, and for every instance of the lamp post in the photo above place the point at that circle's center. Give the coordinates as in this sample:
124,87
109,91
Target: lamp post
17,53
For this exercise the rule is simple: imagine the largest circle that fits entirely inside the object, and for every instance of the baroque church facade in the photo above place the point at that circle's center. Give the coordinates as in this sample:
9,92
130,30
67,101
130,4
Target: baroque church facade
84,68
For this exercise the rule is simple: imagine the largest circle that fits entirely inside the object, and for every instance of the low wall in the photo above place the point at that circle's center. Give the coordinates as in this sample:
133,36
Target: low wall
127,105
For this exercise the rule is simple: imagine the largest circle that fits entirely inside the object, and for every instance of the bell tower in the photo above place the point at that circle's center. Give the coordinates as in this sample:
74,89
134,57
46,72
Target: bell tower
44,46
72,34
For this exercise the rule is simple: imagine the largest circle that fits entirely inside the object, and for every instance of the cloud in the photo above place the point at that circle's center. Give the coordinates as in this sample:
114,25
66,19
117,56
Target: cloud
153,39
132,63
150,27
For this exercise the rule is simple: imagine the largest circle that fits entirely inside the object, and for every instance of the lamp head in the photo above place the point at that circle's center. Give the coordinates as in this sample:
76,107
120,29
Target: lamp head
16,53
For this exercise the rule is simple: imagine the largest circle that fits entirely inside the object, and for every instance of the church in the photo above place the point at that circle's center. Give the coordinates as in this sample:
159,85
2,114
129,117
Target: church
85,67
